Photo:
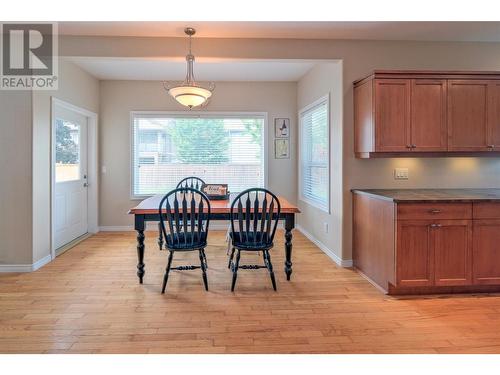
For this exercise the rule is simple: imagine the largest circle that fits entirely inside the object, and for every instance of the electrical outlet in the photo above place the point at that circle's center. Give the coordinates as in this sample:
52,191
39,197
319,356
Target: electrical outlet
325,227
401,174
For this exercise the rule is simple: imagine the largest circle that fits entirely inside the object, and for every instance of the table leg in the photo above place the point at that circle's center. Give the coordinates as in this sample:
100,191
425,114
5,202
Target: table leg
139,227
160,237
289,224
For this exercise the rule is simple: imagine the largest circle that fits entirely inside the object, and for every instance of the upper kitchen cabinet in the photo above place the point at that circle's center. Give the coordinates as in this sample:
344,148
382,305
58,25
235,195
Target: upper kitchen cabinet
468,115
494,115
392,114
418,113
428,115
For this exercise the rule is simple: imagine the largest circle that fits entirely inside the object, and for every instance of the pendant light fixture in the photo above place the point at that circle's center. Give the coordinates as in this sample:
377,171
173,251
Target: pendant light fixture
189,93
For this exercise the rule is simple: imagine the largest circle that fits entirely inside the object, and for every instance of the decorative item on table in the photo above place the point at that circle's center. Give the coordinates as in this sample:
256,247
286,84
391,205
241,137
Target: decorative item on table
281,127
216,191
281,149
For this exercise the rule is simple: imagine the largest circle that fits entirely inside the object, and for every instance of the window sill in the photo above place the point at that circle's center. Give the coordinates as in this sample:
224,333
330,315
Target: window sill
316,205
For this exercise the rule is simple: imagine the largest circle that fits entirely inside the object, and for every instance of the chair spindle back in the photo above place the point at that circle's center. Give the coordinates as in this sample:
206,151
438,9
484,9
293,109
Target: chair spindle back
184,218
254,216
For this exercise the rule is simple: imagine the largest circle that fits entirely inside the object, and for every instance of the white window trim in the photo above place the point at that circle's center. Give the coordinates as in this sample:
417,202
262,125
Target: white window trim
323,99
133,114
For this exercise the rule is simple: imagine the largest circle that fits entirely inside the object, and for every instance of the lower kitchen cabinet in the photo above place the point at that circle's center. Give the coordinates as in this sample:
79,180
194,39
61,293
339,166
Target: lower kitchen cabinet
427,247
434,252
452,244
486,268
415,253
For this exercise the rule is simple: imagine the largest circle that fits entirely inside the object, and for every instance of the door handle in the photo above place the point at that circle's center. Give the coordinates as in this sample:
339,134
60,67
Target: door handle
85,184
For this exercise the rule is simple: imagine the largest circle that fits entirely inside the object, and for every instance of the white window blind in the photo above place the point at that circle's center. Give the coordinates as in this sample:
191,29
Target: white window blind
314,154
218,149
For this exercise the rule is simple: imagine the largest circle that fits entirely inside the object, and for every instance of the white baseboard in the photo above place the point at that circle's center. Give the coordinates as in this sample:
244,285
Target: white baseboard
8,268
325,249
116,228
42,262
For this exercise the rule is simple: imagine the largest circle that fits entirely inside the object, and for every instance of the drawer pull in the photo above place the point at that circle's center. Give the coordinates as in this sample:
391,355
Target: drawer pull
435,225
434,211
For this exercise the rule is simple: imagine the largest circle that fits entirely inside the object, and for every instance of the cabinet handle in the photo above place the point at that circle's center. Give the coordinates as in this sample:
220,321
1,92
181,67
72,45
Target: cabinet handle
408,146
413,146
491,146
434,211
435,225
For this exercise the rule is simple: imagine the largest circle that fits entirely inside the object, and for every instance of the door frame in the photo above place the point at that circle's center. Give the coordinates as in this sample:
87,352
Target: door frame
92,168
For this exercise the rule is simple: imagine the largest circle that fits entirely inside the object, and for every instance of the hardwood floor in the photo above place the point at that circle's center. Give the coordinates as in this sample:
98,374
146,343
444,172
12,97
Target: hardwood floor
89,301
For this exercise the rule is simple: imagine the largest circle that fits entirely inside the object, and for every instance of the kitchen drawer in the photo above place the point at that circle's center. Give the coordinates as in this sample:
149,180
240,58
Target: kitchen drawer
486,210
424,211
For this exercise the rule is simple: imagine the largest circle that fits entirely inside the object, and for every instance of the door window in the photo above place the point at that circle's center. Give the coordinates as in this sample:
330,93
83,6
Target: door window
67,151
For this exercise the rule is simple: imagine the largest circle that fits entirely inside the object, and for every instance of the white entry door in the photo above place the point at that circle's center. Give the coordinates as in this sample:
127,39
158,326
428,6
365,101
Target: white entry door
70,217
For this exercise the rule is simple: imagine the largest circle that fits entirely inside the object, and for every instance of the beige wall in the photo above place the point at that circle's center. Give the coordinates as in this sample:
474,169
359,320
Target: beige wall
325,79
78,88
15,177
119,98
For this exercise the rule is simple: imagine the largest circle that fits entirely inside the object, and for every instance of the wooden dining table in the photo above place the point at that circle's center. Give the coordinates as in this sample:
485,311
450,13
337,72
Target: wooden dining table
148,210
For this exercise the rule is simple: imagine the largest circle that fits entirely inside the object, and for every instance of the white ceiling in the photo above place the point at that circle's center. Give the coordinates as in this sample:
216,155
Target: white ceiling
422,31
204,69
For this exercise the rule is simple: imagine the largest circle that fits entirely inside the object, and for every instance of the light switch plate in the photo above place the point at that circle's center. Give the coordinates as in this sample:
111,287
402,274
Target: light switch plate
401,174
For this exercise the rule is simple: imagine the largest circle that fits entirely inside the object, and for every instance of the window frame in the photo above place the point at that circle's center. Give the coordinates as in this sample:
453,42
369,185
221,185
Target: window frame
193,114
325,99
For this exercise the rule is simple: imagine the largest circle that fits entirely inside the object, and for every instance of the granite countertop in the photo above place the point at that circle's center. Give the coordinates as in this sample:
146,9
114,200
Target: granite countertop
433,195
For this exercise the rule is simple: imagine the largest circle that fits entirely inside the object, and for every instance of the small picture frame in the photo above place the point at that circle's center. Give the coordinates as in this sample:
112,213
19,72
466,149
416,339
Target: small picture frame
281,127
281,149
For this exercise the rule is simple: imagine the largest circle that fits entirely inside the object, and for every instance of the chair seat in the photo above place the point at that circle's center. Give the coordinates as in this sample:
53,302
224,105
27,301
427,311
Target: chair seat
186,241
251,241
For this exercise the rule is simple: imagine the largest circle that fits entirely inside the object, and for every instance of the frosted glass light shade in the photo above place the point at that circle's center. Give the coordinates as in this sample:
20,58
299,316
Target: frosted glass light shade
190,96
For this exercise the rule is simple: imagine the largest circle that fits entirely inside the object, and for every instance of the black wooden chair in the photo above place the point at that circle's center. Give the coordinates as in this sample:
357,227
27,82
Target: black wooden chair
190,182
184,220
254,216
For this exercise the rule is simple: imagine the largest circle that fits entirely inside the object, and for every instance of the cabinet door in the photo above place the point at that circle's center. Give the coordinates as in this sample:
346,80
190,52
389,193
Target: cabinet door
452,244
467,115
494,115
392,115
428,115
414,256
486,251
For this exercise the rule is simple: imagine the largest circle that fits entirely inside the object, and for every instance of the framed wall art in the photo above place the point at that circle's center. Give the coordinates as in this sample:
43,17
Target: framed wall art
281,149
281,127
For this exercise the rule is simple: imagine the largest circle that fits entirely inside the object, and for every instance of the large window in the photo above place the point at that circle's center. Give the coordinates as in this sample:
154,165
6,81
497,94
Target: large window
314,154
217,148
